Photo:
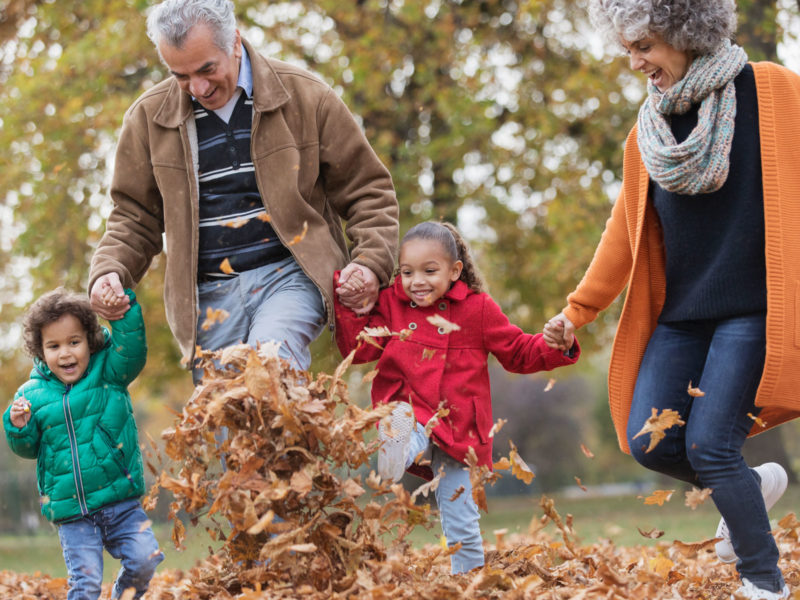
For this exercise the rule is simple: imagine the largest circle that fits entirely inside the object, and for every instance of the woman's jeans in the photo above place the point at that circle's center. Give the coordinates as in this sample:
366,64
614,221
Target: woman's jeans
725,359
122,529
459,516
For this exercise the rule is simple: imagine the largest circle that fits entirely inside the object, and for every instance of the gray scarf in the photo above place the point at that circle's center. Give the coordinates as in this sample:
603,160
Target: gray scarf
700,163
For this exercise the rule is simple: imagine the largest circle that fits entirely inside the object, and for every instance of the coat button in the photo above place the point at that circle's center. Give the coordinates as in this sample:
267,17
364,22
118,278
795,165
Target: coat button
442,305
441,330
413,304
412,326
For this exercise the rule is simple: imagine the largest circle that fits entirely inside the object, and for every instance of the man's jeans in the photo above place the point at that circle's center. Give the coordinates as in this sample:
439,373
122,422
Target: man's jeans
460,517
276,302
120,528
725,359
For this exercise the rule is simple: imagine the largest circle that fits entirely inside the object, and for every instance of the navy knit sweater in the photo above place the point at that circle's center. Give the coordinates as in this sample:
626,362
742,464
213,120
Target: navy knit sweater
714,242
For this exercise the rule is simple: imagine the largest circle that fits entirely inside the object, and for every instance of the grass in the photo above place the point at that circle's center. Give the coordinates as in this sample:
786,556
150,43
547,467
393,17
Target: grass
614,518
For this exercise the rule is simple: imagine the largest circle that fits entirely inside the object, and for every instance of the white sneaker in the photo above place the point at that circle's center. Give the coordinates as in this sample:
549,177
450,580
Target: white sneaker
773,484
393,453
750,591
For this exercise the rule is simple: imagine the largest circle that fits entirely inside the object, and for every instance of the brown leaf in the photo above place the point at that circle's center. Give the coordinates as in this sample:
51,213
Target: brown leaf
225,267
443,324
214,316
658,497
586,452
657,424
300,236
758,421
580,485
695,497
653,534
550,383
695,392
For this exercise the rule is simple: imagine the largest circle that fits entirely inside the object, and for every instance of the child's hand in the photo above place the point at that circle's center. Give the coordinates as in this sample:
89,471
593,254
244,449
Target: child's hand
353,285
20,412
559,333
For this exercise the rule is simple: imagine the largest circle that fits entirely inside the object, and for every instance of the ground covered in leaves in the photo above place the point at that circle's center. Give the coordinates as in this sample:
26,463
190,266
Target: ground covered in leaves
300,516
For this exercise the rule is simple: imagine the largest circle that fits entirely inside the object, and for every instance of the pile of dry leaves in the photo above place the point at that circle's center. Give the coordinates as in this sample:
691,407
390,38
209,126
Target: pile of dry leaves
297,521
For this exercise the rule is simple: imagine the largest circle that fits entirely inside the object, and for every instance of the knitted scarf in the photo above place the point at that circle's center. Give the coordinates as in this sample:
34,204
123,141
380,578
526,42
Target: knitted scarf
700,163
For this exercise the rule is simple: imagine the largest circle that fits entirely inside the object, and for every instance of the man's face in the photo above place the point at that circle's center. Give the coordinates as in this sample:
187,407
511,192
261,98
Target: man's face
203,69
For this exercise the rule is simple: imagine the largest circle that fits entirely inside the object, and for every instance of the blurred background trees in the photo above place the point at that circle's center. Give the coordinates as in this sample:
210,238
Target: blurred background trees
505,117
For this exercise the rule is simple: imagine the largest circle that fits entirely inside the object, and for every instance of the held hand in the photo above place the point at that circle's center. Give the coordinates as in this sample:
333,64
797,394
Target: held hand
559,332
358,288
20,412
107,297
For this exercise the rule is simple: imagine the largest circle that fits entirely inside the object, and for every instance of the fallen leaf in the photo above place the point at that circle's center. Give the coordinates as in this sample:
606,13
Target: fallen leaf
443,324
300,236
580,485
695,392
658,497
760,422
225,267
653,534
550,383
657,424
695,497
587,453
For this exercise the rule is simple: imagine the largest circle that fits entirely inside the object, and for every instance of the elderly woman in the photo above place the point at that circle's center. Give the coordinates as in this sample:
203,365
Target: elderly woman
705,234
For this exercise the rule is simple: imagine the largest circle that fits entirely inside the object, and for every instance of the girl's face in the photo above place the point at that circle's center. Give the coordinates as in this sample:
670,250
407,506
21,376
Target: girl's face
662,63
66,348
427,272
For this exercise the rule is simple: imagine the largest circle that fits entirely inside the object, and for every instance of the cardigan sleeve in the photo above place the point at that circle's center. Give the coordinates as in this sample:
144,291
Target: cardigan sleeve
517,351
610,269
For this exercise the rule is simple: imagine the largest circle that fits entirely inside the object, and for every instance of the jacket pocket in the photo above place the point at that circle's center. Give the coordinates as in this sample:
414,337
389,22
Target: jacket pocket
116,451
483,418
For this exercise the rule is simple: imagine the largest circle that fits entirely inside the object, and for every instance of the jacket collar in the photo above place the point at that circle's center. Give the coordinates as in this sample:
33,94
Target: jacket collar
269,93
458,291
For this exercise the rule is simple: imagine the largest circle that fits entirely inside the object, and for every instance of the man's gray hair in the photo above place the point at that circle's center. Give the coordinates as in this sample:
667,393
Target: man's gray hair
687,25
171,21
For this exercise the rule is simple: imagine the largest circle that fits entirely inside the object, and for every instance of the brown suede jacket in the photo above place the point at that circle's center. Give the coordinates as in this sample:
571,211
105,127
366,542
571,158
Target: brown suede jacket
314,168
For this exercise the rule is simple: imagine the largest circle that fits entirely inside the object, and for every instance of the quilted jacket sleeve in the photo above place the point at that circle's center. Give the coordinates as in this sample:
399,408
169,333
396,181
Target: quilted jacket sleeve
127,352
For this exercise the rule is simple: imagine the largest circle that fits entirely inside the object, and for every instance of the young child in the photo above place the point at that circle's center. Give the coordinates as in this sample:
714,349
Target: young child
435,368
74,416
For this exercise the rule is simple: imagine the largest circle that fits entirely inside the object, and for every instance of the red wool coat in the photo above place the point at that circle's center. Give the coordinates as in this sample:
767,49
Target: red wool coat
430,367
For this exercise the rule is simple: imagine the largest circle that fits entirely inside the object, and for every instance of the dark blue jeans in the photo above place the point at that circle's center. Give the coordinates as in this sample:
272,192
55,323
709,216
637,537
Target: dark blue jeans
122,528
725,359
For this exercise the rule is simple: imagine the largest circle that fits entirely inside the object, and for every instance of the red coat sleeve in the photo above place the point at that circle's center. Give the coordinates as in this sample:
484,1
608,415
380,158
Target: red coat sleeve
517,351
349,325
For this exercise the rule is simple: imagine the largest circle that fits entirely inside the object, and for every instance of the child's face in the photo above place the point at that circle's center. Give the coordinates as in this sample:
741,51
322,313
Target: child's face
66,348
426,271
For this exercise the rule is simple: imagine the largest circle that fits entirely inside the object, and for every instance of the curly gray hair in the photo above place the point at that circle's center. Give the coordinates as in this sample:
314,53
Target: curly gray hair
688,25
172,20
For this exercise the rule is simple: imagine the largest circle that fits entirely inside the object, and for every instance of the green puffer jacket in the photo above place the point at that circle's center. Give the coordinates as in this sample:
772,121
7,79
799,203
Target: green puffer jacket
83,436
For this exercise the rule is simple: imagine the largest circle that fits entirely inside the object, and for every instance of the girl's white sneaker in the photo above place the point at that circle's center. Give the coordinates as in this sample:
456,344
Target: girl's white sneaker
749,591
393,453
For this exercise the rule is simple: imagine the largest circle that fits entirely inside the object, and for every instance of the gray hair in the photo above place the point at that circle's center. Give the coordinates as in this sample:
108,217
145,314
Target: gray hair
172,20
687,25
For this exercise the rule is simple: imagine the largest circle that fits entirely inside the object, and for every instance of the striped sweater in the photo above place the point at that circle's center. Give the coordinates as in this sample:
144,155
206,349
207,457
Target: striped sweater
631,254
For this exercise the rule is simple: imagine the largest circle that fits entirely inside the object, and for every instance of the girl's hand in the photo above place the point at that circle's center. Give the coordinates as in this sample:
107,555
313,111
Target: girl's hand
358,288
20,412
559,333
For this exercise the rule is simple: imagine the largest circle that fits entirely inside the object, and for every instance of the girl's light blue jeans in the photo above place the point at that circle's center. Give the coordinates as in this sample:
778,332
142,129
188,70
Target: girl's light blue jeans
725,359
121,528
276,302
460,516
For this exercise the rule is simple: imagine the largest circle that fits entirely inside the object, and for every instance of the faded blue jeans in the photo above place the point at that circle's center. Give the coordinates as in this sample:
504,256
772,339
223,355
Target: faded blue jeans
121,529
460,517
725,359
276,302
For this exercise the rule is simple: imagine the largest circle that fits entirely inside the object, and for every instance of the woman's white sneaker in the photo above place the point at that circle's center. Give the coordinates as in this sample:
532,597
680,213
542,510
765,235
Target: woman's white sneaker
773,484
393,453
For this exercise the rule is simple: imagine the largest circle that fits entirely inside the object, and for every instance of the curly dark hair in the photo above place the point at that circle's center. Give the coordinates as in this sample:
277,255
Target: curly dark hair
697,27
454,246
49,308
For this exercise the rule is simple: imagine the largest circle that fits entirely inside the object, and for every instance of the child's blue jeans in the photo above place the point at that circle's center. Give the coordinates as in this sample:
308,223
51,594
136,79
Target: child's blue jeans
460,516
121,529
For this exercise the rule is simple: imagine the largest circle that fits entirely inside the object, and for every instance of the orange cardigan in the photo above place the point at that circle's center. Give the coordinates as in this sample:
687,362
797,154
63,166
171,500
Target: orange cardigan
631,253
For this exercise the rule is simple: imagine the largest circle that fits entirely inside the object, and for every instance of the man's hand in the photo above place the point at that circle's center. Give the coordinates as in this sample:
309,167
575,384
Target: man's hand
358,288
108,299
20,412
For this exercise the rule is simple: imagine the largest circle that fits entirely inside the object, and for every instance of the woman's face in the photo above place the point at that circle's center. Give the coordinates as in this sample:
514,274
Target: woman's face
662,63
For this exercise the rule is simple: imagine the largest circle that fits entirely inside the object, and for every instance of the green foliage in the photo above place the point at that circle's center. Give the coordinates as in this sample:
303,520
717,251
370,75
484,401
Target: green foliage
500,115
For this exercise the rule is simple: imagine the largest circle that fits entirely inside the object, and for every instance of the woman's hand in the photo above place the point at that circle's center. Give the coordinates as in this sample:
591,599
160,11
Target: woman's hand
20,412
559,333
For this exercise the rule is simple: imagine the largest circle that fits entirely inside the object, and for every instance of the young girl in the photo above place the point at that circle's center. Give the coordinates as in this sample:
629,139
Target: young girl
74,416
437,367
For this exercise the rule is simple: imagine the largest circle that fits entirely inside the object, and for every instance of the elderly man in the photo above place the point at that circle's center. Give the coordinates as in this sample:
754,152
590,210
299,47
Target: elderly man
242,167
